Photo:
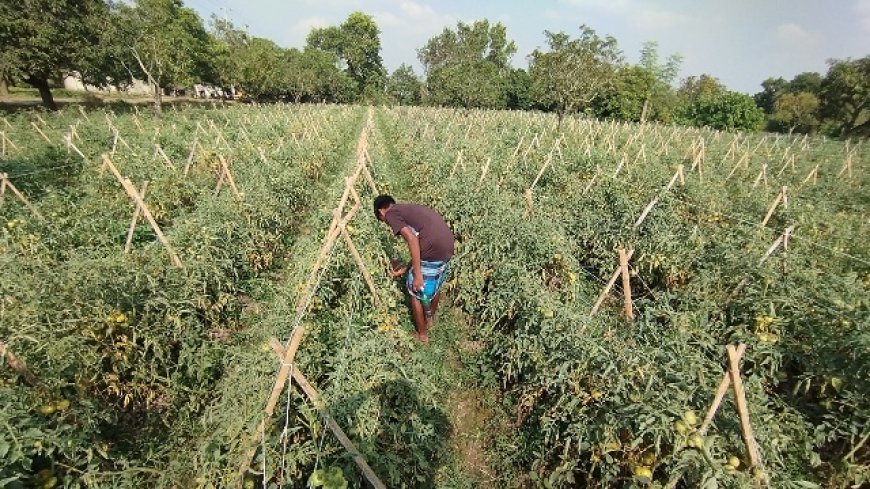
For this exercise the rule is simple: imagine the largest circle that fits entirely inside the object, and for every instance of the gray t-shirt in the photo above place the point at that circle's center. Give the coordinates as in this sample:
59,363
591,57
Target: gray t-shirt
436,239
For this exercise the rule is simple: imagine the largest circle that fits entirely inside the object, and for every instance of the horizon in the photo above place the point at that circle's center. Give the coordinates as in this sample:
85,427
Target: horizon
776,41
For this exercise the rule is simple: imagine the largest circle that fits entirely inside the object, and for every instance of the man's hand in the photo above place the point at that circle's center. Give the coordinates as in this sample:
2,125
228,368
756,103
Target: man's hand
417,285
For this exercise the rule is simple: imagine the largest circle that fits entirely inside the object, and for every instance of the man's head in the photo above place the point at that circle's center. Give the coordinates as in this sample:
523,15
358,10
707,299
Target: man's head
382,204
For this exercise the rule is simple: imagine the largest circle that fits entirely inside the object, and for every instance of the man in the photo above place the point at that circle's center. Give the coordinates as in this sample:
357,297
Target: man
430,243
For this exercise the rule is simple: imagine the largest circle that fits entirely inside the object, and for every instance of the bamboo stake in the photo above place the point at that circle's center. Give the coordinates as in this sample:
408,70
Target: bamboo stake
609,286
38,130
626,285
456,163
131,191
70,144
192,153
318,403
720,394
545,166
812,174
9,141
780,197
159,150
18,365
6,183
356,256
762,176
129,243
742,408
229,176
776,244
592,180
485,169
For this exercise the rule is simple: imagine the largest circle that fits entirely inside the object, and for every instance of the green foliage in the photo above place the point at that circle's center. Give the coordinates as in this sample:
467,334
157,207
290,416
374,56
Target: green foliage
772,89
722,110
403,86
846,94
43,38
573,73
519,96
590,401
357,43
468,67
796,112
164,43
624,99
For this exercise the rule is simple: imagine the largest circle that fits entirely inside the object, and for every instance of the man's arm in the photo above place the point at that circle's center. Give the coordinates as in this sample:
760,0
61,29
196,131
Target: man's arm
414,249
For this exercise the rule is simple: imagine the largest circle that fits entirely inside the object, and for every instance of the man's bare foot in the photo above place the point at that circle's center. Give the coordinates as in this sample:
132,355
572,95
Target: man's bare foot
424,338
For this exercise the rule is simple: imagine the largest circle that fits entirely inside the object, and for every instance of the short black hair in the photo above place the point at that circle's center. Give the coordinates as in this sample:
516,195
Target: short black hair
382,202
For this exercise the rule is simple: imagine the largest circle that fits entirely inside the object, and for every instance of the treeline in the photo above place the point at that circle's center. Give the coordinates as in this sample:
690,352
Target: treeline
168,45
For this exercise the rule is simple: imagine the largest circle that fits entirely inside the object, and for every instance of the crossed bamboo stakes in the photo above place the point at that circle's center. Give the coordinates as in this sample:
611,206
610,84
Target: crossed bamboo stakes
286,354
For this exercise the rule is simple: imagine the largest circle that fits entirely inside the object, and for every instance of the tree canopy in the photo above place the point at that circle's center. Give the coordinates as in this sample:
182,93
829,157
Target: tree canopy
164,43
469,66
44,38
357,44
573,73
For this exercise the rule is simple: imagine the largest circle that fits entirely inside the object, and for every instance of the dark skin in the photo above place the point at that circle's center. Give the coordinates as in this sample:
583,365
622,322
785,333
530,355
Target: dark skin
420,322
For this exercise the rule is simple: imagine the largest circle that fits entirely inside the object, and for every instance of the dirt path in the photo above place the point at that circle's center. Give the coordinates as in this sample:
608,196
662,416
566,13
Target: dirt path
465,401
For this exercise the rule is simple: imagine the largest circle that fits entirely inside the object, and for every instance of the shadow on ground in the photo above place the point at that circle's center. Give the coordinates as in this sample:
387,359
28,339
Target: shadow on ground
412,438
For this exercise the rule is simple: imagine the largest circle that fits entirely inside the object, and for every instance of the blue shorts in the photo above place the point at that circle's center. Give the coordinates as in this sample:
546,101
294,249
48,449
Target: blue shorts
434,275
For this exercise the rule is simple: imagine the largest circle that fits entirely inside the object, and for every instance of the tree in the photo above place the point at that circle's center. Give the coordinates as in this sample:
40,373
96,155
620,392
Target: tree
468,66
313,74
845,94
721,109
519,94
797,111
228,43
42,39
403,86
627,97
659,93
166,44
262,68
357,44
573,73
705,85
808,81
772,88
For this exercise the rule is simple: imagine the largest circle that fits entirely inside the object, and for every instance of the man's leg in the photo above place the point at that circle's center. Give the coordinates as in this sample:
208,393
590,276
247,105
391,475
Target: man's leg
434,307
419,319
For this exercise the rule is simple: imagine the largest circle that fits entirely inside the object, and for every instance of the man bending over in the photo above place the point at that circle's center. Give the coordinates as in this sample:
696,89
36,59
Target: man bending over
430,243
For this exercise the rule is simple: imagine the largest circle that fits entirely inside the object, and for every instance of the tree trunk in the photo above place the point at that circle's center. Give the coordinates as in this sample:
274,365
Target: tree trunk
4,86
158,98
643,111
41,84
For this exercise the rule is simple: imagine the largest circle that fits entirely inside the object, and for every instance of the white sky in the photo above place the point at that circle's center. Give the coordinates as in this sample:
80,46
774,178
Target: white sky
741,42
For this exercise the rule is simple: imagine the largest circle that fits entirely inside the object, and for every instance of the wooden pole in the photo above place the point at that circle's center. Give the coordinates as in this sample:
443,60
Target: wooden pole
38,130
318,403
742,407
8,184
814,173
229,175
131,191
18,365
626,285
360,264
720,394
593,179
128,244
166,160
779,197
609,286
